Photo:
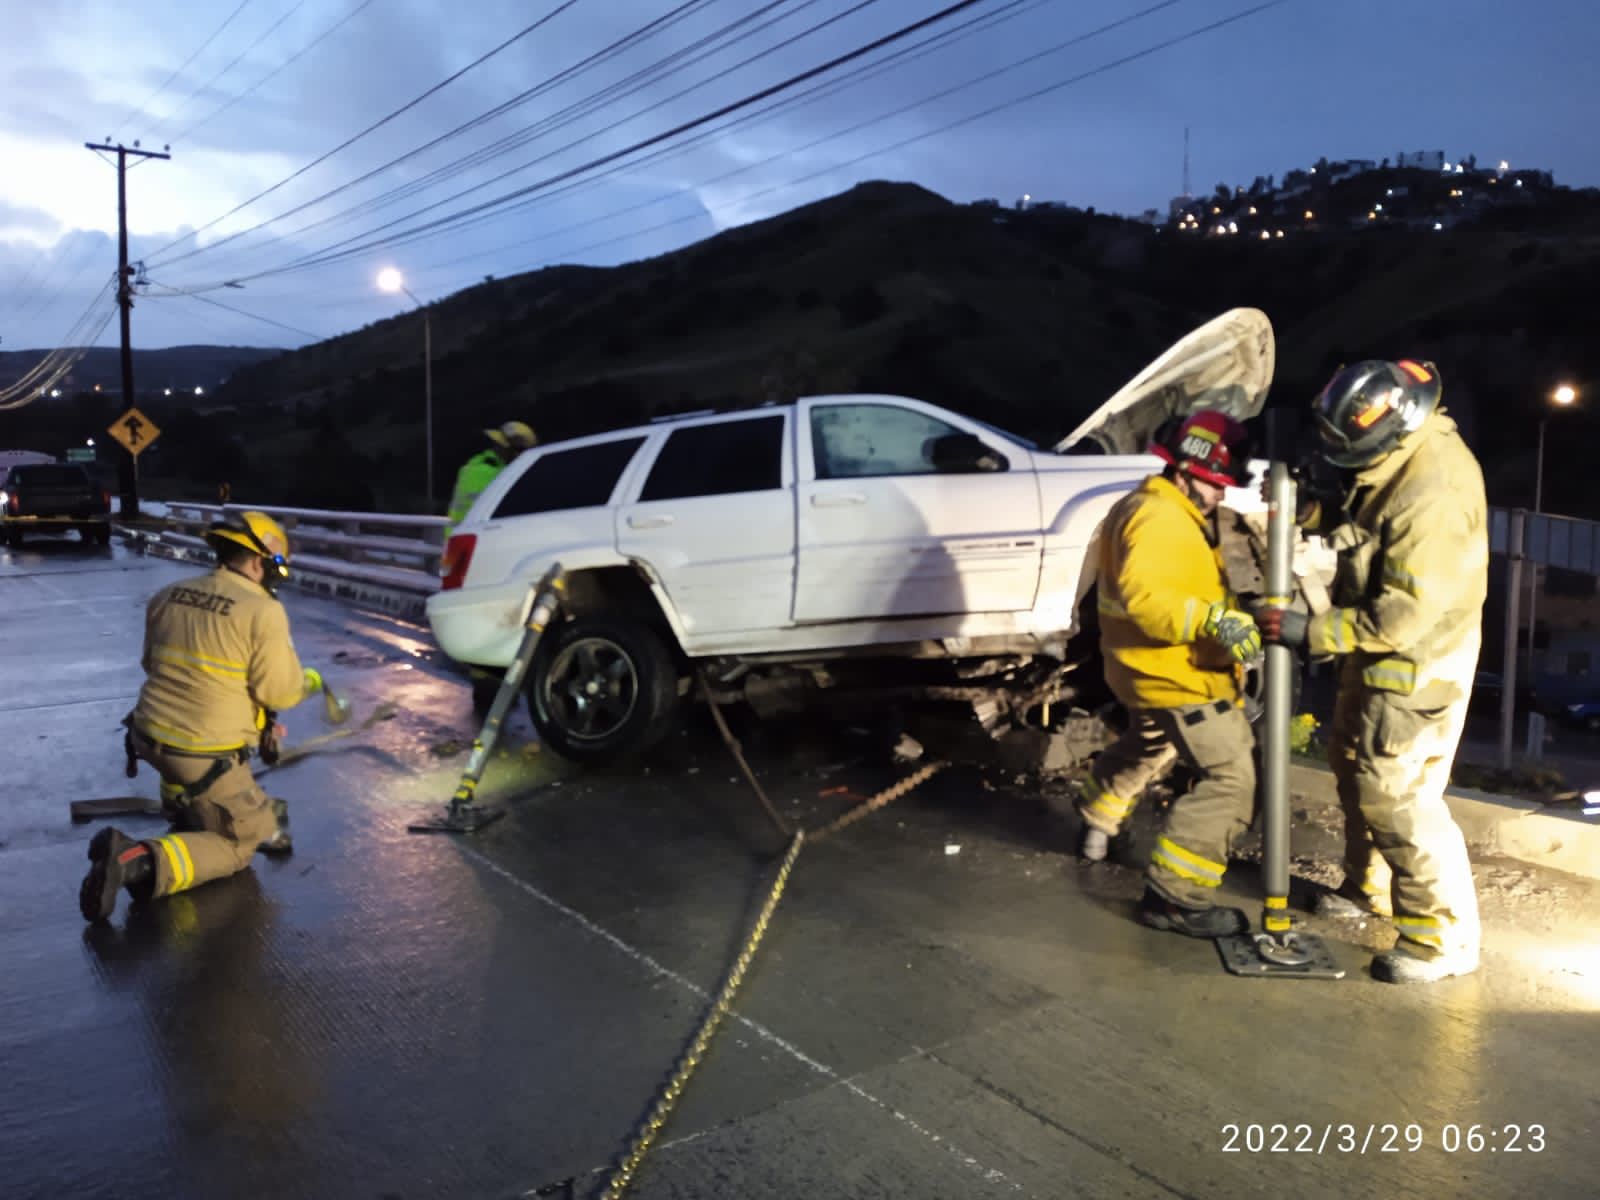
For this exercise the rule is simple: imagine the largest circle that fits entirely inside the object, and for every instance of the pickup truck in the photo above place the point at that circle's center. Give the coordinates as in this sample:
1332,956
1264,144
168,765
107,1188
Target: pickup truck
836,544
52,498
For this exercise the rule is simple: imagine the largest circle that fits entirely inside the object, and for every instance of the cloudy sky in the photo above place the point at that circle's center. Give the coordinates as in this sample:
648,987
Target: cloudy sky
451,171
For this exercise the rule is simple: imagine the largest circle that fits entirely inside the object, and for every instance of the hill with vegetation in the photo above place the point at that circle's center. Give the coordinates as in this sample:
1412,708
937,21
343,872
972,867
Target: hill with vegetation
1026,319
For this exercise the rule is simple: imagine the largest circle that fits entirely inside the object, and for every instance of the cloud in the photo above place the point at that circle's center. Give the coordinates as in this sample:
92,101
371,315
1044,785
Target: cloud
22,219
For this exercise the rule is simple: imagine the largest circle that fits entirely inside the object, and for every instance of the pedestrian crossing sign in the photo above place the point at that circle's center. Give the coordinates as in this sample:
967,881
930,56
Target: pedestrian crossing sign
135,431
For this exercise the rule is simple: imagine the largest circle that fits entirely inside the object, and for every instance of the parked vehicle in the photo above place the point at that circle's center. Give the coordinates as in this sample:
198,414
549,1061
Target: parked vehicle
847,544
53,498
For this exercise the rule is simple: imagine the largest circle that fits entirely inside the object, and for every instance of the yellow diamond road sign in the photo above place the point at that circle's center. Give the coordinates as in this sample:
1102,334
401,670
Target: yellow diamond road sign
135,431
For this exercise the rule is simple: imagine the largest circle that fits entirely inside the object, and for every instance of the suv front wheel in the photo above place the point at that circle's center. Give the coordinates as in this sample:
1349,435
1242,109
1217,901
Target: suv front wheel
602,689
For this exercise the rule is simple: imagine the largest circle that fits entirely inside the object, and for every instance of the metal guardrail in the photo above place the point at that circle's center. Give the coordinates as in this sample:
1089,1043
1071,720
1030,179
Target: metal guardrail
1547,540
388,559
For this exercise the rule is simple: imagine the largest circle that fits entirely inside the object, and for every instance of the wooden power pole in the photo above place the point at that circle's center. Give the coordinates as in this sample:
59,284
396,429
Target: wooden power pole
128,470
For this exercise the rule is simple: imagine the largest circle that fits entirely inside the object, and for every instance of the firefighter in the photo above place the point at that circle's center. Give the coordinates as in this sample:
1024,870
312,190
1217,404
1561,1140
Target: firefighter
1412,537
479,471
1174,642
217,656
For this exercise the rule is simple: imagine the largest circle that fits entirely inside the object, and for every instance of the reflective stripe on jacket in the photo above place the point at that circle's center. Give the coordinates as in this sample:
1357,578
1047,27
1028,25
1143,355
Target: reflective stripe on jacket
476,474
1413,566
216,652
1158,576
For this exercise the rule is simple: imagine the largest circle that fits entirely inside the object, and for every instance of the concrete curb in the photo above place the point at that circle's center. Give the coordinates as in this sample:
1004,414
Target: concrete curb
1541,834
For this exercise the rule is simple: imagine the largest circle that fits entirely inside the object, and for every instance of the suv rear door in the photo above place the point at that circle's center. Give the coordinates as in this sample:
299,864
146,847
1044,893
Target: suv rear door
713,519
883,532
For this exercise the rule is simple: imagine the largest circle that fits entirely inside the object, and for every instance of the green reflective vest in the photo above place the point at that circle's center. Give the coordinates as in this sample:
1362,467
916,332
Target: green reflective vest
476,474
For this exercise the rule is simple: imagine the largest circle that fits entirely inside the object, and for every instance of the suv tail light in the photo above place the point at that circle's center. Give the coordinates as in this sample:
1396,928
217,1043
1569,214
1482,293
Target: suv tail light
105,499
456,559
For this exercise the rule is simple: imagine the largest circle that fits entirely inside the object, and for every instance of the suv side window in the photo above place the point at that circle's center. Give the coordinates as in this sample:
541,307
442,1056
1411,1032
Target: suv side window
583,477
855,441
719,460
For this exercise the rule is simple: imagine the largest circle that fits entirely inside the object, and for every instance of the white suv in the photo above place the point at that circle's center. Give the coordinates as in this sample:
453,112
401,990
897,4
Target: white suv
781,548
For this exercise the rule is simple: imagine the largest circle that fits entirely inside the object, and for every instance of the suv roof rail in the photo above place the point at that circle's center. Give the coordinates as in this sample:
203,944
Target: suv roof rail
699,412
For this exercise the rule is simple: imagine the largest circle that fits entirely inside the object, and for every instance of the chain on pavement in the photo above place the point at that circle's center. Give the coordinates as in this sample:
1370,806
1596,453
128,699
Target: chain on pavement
667,1098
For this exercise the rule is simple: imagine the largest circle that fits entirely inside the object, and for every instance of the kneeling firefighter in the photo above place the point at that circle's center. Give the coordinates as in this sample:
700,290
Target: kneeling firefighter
217,659
1409,520
1174,640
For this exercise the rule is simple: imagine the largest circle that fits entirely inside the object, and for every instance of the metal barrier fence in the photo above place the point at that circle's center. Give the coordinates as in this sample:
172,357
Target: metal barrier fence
387,559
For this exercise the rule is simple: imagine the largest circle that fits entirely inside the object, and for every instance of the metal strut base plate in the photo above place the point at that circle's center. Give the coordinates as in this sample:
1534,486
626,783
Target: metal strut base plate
1299,956
458,818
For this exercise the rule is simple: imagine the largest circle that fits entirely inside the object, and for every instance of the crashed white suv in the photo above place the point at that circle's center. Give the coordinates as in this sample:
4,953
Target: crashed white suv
847,542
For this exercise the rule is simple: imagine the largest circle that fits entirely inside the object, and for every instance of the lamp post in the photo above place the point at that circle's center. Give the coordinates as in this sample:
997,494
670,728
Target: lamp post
1563,397
390,280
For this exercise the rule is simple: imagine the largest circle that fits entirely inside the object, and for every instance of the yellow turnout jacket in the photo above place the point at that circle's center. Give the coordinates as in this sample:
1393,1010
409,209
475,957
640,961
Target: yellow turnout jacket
1159,573
217,652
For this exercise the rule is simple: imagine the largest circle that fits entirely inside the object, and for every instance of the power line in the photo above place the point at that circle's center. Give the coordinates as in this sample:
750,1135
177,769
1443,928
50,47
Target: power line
376,125
275,72
957,123
49,370
788,105
244,4
316,337
660,23
354,246
240,57
902,143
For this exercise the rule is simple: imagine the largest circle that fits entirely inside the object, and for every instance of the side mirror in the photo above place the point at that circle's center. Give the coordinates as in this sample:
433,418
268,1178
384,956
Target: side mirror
963,453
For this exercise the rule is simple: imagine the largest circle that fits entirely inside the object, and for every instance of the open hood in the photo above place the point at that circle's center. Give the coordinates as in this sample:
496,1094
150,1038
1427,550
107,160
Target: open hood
1225,364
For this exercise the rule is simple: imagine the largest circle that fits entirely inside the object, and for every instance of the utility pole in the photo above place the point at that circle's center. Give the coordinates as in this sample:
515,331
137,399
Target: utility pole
128,469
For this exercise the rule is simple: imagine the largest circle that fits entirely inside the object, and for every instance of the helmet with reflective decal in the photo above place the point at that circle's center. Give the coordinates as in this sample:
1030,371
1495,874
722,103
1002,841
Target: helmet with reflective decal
1366,409
1208,445
259,534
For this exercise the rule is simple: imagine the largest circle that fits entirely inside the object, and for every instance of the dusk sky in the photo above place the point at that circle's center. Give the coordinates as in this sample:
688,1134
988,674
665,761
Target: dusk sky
249,93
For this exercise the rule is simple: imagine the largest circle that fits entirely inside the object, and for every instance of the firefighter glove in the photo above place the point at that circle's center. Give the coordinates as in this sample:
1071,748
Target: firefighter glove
1233,630
1283,626
313,679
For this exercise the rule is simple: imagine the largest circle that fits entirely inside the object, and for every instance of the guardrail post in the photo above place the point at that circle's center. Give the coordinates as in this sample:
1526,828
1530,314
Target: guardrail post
1516,521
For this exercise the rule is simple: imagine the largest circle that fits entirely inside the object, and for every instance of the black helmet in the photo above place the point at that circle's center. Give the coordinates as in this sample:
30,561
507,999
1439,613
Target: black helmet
1367,408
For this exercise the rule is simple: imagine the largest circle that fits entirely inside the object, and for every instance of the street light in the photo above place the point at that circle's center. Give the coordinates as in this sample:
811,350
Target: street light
390,280
1564,396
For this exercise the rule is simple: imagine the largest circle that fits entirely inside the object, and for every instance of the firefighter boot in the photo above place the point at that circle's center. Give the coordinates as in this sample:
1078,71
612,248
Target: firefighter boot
1094,846
1156,911
280,842
1401,966
117,862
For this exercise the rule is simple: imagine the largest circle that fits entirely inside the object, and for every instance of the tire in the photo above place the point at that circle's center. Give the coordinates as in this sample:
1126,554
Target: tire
602,652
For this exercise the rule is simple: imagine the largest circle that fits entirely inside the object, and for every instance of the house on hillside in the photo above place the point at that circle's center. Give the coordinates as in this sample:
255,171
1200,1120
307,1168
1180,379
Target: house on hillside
1350,168
1427,160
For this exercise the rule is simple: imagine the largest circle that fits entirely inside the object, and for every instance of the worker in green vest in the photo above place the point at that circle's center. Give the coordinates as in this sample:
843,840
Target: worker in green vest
479,471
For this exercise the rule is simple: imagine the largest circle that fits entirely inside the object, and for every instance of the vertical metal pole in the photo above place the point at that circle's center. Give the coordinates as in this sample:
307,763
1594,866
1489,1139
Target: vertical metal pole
129,469
1279,668
427,386
1515,521
1533,568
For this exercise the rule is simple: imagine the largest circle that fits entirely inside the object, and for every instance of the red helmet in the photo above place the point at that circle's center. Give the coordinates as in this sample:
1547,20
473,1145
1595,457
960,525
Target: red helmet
1208,445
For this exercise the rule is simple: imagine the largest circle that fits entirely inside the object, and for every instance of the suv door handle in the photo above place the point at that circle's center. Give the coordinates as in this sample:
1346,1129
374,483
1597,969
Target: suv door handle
651,521
837,499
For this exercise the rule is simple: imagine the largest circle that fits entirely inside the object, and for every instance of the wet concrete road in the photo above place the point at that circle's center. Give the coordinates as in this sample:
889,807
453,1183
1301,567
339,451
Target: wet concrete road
388,1015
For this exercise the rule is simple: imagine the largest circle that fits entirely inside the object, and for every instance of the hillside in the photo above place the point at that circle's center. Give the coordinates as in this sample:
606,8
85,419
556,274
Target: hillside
176,367
1025,319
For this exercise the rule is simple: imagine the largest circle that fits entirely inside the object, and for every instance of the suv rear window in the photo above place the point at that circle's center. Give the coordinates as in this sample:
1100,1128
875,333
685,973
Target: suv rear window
583,477
719,460
48,475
